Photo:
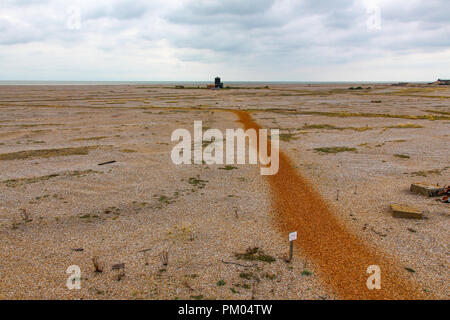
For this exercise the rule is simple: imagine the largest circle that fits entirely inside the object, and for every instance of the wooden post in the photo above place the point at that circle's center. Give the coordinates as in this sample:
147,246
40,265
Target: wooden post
291,250
292,237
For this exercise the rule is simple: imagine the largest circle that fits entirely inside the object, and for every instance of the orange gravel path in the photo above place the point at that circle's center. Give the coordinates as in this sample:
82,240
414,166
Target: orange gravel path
340,257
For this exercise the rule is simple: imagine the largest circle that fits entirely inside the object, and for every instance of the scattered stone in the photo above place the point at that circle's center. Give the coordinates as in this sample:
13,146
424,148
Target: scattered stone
425,189
97,264
403,211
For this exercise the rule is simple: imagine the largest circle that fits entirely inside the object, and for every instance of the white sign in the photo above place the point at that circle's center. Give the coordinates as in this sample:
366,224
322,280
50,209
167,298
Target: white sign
293,236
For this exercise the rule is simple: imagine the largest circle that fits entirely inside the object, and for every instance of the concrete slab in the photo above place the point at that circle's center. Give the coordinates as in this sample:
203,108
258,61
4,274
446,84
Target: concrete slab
404,211
425,189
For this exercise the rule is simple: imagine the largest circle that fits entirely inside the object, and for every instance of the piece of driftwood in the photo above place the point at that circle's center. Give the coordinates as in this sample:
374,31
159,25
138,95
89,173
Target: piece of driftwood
107,162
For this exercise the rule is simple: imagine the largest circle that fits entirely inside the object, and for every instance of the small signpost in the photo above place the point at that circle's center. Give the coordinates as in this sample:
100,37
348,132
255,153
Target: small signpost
292,237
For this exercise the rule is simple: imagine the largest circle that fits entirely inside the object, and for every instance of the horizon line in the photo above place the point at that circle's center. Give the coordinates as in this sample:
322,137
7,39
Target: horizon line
225,81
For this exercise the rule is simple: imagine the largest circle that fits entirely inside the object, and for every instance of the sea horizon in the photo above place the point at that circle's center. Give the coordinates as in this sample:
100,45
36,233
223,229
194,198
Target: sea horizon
187,82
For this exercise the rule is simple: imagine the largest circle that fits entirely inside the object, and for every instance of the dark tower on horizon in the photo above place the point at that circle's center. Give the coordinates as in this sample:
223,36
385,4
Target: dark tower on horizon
217,83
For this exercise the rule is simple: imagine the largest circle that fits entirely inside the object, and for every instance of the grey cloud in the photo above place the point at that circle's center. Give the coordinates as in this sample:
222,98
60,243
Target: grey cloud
431,11
339,24
230,7
123,10
233,14
269,34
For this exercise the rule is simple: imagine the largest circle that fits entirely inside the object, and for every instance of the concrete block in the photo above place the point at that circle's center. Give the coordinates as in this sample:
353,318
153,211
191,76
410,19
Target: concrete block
403,211
425,189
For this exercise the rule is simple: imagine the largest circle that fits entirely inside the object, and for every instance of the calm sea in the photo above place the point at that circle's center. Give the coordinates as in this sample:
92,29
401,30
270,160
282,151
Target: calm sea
191,83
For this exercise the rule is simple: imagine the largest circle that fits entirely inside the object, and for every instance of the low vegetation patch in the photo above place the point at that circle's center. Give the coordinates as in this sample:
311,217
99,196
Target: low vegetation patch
247,275
438,112
228,167
16,182
30,125
405,126
197,182
221,283
320,126
425,173
344,114
287,137
332,127
90,138
46,153
401,156
335,149
89,216
306,273
355,88
254,254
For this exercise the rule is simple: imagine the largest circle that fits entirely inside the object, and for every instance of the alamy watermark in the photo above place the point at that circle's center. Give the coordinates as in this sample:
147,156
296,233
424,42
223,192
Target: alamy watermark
374,280
74,280
373,10
73,18
235,153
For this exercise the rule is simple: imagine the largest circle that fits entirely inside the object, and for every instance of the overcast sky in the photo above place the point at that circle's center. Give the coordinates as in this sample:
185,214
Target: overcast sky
257,40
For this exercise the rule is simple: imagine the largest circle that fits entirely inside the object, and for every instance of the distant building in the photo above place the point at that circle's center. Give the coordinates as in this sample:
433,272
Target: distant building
442,82
217,83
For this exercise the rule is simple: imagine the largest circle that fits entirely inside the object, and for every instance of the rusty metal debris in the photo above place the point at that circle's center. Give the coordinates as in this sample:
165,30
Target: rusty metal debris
445,193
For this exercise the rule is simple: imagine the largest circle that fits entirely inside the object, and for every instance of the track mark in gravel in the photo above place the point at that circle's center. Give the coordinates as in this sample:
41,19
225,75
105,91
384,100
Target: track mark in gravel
340,257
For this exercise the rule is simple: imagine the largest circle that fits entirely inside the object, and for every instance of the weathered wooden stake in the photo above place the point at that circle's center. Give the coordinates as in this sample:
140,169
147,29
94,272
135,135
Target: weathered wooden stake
292,237
291,250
